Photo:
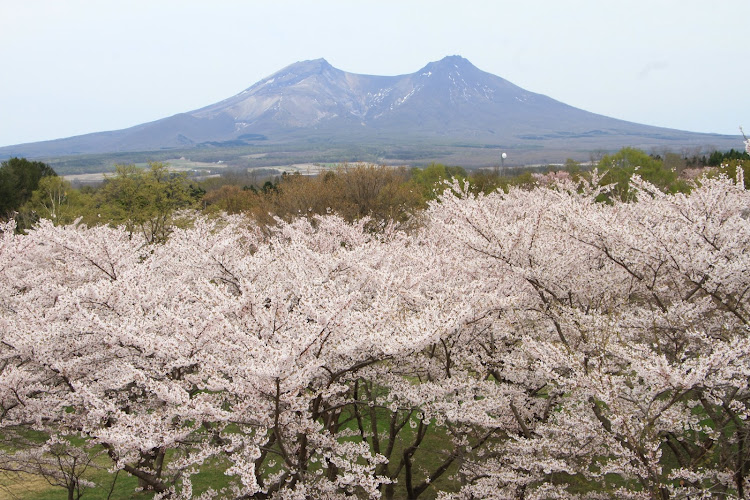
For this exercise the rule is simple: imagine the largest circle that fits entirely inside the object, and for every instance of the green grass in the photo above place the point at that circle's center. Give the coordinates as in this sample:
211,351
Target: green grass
435,447
109,485
433,451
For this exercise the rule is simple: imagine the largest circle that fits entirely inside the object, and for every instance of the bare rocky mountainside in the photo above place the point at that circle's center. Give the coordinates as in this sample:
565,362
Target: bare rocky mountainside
448,103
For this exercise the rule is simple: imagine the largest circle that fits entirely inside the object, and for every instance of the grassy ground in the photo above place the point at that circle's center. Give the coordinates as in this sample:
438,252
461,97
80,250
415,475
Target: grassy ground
122,486
25,486
108,485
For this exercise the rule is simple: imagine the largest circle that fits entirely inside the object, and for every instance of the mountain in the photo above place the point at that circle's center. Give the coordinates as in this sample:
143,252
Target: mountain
448,102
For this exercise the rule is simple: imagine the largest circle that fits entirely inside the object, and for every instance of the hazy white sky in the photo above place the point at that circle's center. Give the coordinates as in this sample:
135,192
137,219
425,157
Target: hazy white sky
70,67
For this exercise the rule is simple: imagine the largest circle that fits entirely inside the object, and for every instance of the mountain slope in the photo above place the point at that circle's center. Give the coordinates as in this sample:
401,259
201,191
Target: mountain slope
447,102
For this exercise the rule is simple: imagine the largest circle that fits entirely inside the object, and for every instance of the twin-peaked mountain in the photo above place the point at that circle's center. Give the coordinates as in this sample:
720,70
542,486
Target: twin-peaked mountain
450,97
447,102
450,94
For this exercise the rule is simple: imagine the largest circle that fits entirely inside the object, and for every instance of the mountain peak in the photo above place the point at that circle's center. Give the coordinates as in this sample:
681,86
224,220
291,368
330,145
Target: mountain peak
449,64
455,59
311,66
316,63
291,74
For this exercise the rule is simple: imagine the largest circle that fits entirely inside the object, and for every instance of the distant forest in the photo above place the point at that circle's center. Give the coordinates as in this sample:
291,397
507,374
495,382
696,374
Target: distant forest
146,198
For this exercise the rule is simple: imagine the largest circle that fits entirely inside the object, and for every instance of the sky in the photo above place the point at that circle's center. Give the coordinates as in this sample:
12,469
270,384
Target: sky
70,67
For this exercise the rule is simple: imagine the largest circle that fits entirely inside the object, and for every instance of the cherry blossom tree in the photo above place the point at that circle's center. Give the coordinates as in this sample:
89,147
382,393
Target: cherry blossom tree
634,323
529,344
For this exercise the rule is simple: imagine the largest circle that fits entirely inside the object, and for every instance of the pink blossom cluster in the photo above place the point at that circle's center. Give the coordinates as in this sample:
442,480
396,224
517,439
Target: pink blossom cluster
551,178
529,344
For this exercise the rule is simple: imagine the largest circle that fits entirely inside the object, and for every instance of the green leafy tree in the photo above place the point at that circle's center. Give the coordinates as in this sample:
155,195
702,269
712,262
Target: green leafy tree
144,200
54,199
618,168
19,178
730,170
572,167
428,180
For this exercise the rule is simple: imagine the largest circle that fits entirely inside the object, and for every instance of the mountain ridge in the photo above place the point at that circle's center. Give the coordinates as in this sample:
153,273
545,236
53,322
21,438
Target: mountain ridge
447,102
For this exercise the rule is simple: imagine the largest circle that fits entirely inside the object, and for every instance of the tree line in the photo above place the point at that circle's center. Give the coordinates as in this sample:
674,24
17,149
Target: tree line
145,199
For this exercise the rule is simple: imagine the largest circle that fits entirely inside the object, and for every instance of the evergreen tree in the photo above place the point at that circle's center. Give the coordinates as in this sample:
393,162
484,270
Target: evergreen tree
19,178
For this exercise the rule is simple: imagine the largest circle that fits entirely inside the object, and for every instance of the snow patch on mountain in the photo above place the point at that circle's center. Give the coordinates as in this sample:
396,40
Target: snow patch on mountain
402,100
